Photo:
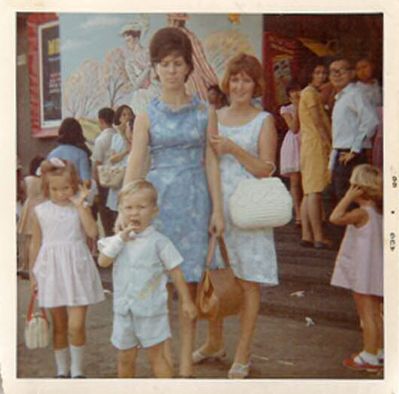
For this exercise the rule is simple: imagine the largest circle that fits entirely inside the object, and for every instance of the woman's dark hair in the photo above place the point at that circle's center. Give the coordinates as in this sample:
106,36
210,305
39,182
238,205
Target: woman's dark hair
306,73
71,133
293,86
118,113
35,164
168,41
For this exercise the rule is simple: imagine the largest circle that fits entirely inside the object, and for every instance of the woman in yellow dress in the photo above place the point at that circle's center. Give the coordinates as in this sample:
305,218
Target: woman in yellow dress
314,156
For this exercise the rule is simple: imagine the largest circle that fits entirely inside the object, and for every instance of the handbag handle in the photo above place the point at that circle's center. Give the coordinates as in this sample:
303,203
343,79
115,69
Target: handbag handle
32,306
212,248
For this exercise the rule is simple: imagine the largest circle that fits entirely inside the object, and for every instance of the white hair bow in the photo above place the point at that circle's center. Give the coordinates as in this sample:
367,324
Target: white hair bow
56,162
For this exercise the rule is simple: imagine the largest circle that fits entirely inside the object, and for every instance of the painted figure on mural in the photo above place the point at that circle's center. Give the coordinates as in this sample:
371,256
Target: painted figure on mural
137,64
203,74
137,60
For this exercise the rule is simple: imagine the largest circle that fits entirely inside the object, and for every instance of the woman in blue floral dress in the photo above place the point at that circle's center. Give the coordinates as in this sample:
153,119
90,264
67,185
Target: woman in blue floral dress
183,168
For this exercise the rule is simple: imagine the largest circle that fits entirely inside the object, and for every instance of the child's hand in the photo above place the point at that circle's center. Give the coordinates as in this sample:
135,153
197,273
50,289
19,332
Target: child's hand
126,233
354,192
189,310
79,198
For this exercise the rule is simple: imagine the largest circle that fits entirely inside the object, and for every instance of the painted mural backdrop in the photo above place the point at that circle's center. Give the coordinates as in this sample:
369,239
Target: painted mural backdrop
105,59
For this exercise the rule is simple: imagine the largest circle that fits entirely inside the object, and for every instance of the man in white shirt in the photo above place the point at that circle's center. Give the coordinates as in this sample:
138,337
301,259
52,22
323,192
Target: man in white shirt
101,152
354,122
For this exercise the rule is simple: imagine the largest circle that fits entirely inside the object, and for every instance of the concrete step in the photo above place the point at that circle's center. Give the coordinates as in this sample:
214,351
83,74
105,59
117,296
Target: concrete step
326,305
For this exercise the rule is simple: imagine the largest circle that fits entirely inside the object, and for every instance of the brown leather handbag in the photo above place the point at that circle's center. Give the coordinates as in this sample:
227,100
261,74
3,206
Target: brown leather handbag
219,293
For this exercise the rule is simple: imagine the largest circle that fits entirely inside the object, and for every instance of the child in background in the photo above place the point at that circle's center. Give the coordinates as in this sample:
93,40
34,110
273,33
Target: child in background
359,264
62,270
33,190
142,258
289,154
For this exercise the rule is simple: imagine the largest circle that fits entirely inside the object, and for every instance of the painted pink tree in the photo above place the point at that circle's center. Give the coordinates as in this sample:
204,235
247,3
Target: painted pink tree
83,91
115,80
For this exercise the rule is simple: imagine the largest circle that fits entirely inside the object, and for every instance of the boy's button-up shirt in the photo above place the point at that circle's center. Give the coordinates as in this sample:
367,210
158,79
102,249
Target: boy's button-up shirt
354,120
139,273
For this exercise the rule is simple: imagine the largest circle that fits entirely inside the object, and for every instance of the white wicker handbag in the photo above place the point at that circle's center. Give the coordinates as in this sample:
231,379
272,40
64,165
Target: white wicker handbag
111,176
260,203
36,327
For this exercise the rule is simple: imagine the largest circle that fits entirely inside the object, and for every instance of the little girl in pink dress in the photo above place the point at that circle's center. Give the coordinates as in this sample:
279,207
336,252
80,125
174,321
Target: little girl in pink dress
359,264
289,154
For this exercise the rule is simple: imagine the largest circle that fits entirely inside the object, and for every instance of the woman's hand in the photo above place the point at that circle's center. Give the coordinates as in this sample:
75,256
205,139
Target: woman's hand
79,198
216,225
221,145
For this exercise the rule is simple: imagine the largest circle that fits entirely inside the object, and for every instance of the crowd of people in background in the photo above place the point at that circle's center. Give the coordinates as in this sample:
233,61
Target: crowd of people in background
333,137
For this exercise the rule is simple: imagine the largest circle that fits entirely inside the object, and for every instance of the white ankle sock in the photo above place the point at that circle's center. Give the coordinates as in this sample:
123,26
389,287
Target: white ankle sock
61,361
367,357
76,360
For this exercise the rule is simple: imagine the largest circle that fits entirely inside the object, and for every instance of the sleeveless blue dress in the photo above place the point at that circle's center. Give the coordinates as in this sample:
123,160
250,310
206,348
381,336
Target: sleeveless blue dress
177,148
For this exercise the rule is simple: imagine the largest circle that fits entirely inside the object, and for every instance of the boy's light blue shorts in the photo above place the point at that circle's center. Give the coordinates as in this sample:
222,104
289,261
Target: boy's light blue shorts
130,331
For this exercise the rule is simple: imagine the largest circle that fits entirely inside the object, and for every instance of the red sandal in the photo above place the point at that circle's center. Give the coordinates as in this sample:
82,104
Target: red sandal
362,366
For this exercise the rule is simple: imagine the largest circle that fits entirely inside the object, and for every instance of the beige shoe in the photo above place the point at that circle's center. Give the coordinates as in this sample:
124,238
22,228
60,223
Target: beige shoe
199,356
238,371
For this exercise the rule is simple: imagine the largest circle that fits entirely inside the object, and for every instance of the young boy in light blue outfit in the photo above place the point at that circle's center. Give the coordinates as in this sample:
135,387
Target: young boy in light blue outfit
142,259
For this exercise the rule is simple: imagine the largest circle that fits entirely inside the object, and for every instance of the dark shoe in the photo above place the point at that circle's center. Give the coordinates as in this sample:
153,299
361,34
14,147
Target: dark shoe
306,244
321,245
79,377
62,377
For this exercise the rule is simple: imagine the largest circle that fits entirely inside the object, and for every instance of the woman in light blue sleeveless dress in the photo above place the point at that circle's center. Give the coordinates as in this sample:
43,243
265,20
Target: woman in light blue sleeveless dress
183,166
246,144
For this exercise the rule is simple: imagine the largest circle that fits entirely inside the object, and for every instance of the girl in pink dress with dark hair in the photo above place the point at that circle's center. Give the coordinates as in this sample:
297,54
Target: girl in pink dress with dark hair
290,148
359,264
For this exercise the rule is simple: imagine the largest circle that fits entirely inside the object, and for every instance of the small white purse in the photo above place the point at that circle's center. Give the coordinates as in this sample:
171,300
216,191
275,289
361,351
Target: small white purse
260,203
36,327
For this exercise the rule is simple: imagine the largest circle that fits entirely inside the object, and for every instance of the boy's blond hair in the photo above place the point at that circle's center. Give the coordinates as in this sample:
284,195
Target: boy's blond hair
136,186
369,179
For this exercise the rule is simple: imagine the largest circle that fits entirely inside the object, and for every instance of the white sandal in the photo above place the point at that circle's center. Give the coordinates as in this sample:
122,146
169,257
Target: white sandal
199,356
239,371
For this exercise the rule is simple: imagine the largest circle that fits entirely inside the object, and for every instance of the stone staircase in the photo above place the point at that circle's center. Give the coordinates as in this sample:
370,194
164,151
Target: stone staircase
308,270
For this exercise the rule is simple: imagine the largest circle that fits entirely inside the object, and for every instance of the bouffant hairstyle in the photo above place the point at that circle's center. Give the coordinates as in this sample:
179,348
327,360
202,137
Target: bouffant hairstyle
171,41
248,64
118,113
48,169
136,186
369,179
